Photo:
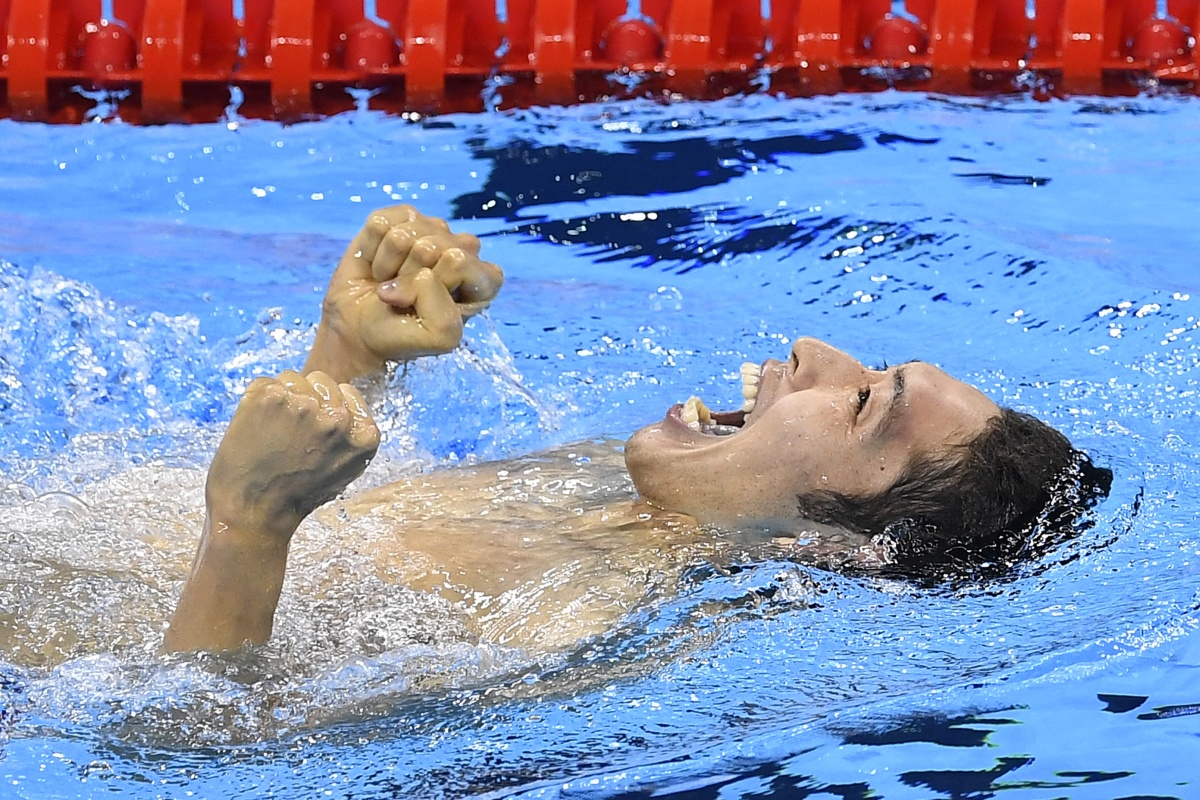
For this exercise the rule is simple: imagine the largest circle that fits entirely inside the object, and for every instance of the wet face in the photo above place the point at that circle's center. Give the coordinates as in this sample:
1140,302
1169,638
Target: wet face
819,422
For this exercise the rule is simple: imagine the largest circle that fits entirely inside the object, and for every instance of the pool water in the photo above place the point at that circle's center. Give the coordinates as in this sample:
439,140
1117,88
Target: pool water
1044,251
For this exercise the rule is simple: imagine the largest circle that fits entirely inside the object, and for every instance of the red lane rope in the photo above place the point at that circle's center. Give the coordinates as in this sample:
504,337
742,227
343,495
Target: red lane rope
183,60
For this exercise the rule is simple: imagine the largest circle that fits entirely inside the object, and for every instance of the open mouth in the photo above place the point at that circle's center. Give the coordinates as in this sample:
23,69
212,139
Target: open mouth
700,418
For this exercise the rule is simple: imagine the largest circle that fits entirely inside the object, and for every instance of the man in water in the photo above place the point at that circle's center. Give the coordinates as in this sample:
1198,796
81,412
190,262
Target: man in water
908,467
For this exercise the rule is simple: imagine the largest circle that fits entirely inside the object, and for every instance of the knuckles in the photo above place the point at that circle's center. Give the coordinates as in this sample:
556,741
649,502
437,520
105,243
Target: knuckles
393,215
315,405
493,273
427,242
258,388
413,249
455,261
377,225
334,422
467,241
399,237
428,237
426,251
368,434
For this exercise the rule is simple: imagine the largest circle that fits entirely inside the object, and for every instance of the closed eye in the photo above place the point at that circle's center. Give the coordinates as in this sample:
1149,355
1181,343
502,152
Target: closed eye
864,395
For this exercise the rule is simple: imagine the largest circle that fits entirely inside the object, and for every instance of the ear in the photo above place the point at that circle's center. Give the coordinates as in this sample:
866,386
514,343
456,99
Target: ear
824,534
906,531
912,543
826,546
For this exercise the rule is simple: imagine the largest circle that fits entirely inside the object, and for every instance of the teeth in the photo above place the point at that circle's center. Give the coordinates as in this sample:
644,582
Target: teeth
750,377
697,416
695,412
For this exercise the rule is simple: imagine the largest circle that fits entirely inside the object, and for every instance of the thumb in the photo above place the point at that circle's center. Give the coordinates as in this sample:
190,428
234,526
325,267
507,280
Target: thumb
396,294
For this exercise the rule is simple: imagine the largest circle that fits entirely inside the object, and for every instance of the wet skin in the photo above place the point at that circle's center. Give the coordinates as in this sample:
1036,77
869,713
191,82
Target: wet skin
822,422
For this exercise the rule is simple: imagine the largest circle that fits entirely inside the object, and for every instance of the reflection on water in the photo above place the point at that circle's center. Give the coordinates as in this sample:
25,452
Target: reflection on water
708,235
525,173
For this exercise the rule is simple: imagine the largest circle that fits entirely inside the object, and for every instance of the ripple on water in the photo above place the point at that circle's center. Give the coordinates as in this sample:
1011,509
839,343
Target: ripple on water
897,226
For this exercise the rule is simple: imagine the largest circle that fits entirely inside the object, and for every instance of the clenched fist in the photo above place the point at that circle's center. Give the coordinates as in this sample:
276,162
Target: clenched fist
402,290
294,442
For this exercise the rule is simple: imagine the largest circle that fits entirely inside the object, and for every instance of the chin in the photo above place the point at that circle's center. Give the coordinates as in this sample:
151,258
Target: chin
639,461
658,474
666,479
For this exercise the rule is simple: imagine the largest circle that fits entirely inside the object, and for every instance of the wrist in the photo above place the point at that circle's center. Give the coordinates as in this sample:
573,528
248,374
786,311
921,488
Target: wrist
329,354
250,525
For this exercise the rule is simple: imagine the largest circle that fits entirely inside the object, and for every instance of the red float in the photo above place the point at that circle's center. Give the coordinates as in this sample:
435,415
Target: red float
108,52
370,48
1160,42
897,41
631,42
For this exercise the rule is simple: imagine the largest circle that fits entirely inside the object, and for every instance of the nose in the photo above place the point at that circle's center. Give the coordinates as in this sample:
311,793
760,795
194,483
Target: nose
815,364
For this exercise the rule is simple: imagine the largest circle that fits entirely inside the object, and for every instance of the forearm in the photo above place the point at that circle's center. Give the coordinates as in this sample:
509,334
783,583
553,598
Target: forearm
230,595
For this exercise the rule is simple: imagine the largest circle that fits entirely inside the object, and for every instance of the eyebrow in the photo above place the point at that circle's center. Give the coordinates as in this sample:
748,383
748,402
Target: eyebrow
895,402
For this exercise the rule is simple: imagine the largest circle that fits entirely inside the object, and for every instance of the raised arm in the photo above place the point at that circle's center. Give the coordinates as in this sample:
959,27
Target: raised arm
402,290
293,444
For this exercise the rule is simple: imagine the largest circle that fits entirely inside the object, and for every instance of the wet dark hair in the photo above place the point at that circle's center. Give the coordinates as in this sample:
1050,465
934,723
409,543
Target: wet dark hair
1006,497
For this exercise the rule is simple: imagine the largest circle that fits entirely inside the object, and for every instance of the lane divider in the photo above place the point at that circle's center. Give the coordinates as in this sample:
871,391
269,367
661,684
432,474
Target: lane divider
157,61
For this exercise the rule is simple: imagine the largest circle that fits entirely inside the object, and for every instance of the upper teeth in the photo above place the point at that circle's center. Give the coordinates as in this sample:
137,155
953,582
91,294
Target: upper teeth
696,414
750,378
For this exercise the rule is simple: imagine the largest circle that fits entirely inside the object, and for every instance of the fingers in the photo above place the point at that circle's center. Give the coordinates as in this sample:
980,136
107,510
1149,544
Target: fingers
366,244
341,407
388,234
480,283
363,430
433,327
297,384
438,313
472,283
399,214
378,223
398,241
355,402
402,252
346,421
467,242
393,251
260,387
427,281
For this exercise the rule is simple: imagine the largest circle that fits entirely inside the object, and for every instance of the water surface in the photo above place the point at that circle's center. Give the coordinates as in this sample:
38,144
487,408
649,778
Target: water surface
1045,252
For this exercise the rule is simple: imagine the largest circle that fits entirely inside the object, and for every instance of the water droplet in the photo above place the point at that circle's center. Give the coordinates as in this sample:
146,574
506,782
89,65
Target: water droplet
666,298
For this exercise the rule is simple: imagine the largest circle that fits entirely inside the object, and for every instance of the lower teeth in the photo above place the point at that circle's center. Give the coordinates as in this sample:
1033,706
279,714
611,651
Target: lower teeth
720,430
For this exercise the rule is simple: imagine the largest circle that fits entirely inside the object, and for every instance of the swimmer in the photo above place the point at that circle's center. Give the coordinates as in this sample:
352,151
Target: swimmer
896,470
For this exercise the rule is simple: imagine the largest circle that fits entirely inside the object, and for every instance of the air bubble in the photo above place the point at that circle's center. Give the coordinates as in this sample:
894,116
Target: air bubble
666,298
62,504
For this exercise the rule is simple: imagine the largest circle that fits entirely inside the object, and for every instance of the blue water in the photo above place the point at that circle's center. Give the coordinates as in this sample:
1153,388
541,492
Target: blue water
1045,252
